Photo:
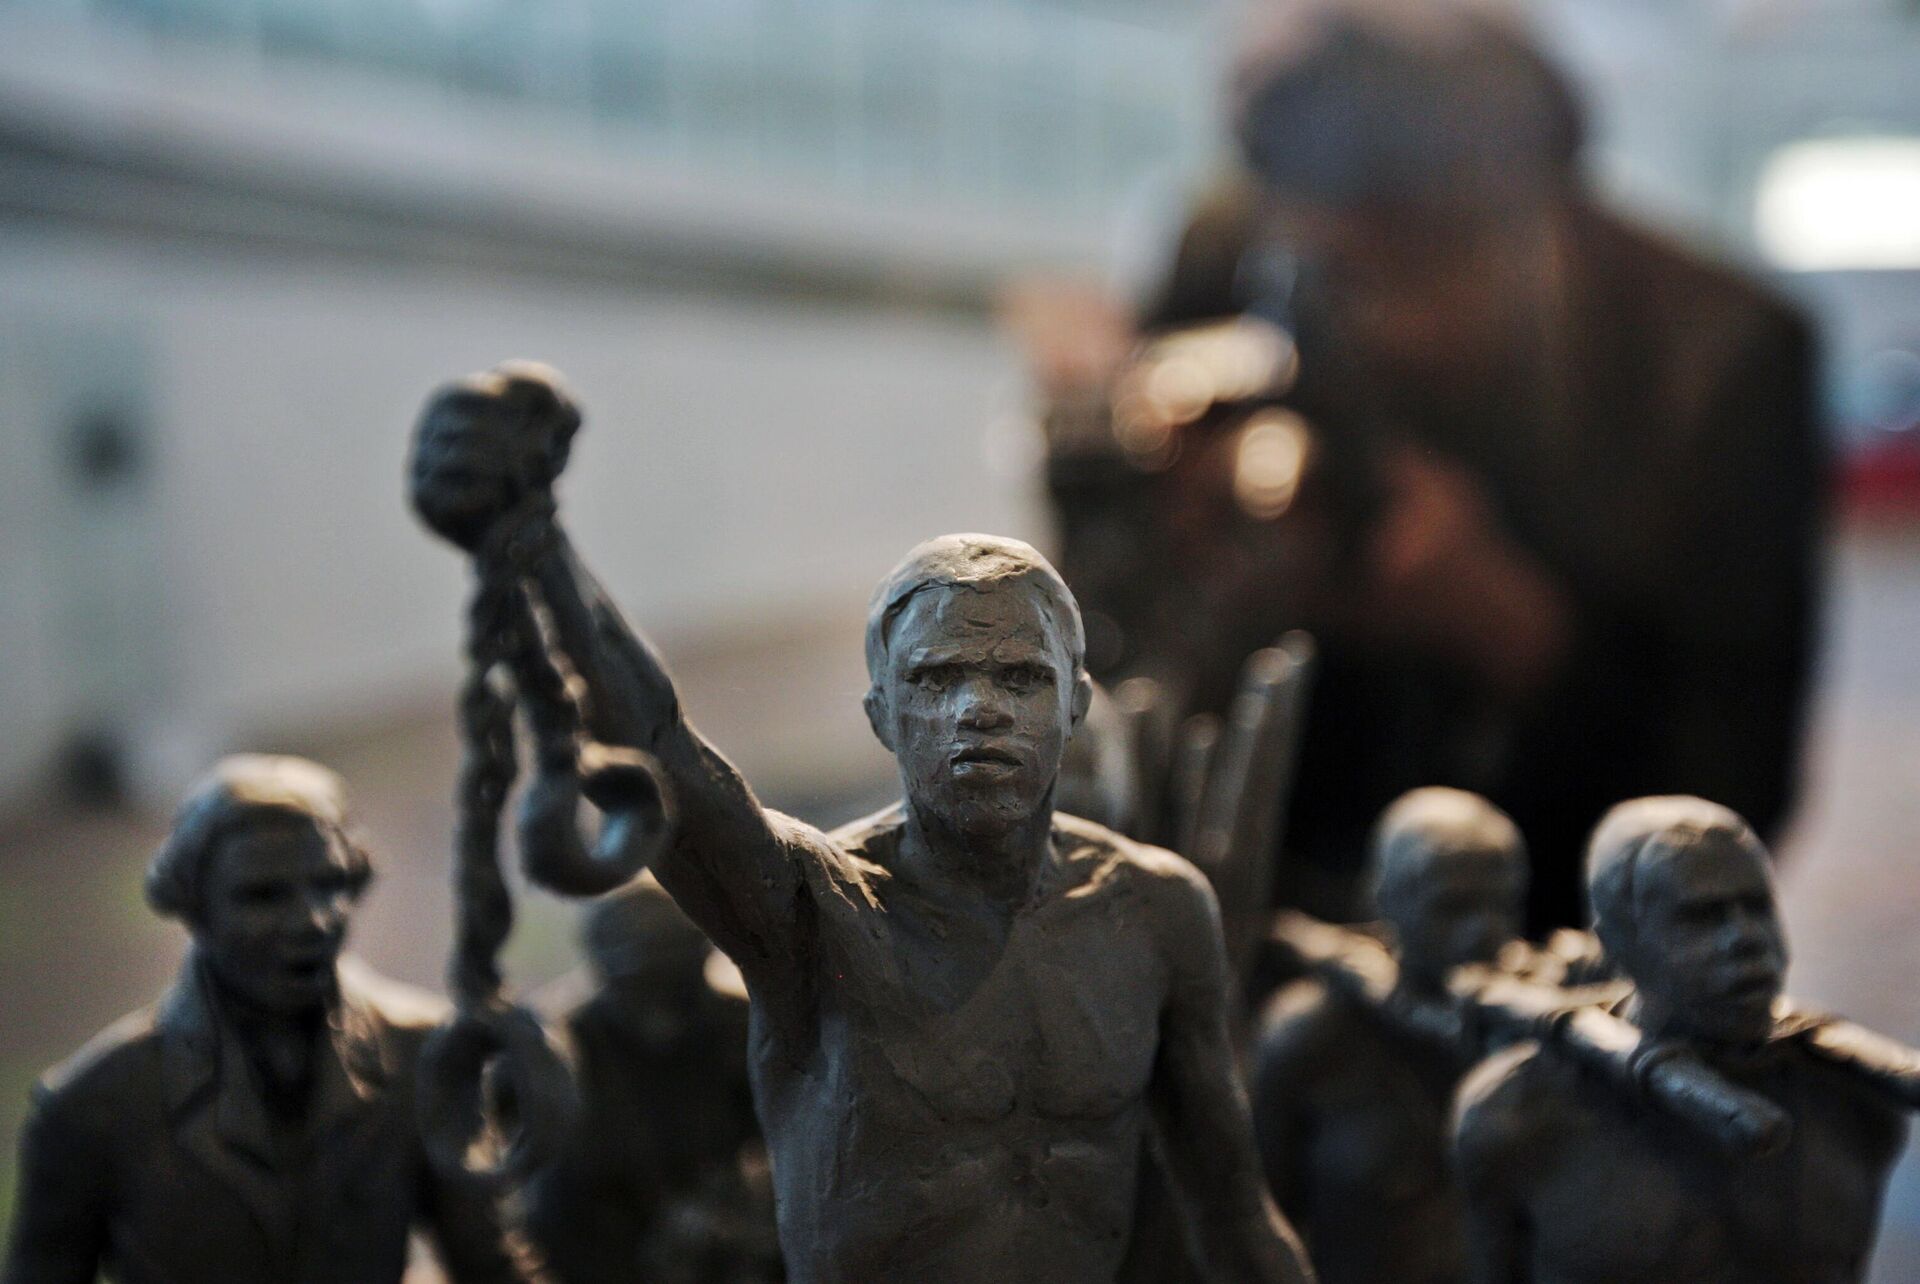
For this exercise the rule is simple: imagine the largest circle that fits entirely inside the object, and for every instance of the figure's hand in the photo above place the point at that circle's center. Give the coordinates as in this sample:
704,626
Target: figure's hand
1443,574
487,443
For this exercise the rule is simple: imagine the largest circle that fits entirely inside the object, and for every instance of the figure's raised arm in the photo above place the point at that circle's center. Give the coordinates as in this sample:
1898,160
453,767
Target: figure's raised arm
486,455
731,864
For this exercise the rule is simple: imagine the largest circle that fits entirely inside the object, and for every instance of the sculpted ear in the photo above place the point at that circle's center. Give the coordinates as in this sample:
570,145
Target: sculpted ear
1082,699
876,706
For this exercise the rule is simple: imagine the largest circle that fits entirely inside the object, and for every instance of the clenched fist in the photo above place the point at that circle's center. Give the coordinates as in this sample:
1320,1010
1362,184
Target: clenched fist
486,443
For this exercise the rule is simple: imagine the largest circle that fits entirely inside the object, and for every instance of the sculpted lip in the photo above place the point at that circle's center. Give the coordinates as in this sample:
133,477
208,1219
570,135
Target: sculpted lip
984,755
1750,986
308,968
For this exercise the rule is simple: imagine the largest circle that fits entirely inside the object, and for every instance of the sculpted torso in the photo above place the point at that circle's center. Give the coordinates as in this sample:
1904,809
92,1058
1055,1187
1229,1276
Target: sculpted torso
1352,1121
1611,1191
971,1111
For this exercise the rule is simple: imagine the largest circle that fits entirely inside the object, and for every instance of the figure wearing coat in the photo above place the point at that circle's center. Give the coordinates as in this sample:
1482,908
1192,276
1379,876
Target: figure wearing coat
151,1155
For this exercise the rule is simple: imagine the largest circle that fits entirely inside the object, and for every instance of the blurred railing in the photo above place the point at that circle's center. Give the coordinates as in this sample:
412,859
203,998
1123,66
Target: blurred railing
999,105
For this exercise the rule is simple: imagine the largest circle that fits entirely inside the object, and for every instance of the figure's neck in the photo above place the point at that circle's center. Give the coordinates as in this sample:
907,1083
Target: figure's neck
1005,866
1422,978
1674,1025
282,1047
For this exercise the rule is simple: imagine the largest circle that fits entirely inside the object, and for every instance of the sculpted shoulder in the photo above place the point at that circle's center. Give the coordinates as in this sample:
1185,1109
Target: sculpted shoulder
1102,855
120,1061
849,862
1504,1110
405,1013
1304,1033
400,1005
1881,1122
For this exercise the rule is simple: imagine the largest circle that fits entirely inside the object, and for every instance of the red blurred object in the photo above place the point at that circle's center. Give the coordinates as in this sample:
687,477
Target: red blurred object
1883,479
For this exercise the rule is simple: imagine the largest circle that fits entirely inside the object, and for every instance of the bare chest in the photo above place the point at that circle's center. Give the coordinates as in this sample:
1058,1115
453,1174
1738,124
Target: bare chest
1638,1197
1379,1126
1059,1018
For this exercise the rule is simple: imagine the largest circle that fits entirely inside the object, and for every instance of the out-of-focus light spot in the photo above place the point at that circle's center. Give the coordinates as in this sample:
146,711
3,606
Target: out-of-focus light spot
1178,389
1268,462
1179,379
1146,439
1841,204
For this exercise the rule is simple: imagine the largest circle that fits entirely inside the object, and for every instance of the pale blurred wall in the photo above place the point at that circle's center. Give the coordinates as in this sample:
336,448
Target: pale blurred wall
258,267
745,461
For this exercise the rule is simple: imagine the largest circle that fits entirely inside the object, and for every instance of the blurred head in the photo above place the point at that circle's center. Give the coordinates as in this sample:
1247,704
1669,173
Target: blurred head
976,661
1411,153
1450,877
636,933
1683,901
261,869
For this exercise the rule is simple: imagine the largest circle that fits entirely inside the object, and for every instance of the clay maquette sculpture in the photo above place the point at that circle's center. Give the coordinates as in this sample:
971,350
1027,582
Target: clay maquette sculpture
1570,1179
258,1123
1352,1108
663,1177
967,1011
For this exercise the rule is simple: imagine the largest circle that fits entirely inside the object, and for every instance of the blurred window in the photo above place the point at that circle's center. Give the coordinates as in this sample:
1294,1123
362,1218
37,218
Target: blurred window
1054,106
1841,204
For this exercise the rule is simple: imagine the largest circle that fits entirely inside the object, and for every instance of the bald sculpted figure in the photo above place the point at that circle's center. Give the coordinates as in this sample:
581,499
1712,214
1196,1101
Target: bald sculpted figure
1352,1110
1568,1181
967,1011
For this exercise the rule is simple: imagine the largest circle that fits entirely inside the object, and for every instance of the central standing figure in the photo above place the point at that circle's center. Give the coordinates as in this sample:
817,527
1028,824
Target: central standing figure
967,1011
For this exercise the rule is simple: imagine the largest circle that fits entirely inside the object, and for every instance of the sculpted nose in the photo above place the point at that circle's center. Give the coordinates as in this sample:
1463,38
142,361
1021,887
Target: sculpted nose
1750,934
981,708
324,918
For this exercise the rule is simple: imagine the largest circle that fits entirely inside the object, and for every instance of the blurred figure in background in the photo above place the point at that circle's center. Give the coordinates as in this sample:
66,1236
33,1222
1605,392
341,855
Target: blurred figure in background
258,1122
1351,1108
1566,481
665,1178
1566,1178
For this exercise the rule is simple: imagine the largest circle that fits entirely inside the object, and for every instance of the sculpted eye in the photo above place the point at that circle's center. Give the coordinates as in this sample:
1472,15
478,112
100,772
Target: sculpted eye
332,883
1024,677
932,677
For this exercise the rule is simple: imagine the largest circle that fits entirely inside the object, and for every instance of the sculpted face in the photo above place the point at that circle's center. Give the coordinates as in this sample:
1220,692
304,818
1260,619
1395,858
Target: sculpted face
1461,908
978,699
274,914
1708,949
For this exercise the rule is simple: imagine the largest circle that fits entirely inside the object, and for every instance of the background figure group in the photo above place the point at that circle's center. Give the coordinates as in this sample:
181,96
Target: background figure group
1571,1181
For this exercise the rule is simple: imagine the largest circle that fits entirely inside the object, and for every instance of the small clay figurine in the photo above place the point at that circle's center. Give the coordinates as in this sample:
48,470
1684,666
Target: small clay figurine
1570,1177
258,1123
967,1011
664,1176
1351,1106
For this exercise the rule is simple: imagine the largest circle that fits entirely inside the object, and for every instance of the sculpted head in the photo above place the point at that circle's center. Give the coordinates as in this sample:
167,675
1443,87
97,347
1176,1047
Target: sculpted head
261,869
1682,895
1450,876
1412,154
636,934
976,663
